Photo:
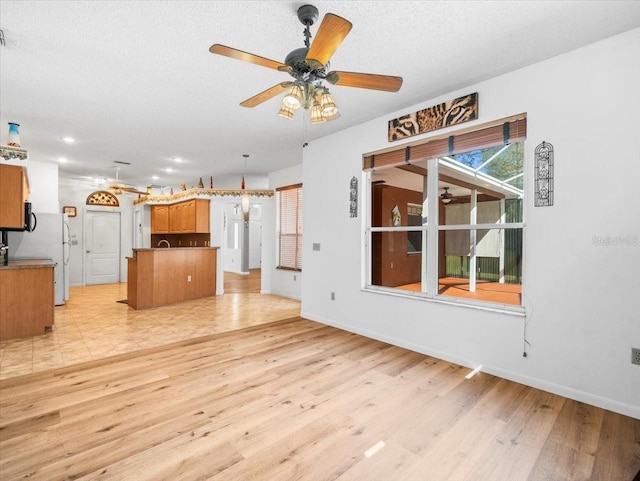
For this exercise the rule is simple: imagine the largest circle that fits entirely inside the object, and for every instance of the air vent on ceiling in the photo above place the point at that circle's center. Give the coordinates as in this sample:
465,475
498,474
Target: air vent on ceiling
121,162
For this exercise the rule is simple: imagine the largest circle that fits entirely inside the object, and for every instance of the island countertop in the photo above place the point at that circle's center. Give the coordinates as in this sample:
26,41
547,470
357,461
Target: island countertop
173,248
168,249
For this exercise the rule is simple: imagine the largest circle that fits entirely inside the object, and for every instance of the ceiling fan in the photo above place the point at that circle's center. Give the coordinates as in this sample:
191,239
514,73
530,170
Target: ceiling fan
309,67
119,188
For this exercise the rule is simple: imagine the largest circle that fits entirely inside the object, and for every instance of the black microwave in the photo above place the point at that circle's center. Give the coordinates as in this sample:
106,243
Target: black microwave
30,220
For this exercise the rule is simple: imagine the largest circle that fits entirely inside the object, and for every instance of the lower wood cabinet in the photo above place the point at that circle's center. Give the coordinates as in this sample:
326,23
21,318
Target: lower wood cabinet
27,293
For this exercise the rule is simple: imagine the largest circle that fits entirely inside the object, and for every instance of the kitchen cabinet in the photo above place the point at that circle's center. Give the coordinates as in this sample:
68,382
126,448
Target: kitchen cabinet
187,217
27,293
159,219
14,193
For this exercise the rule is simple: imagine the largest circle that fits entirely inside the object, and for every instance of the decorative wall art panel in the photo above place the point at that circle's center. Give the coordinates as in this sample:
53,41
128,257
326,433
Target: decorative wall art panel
544,175
446,114
102,197
353,197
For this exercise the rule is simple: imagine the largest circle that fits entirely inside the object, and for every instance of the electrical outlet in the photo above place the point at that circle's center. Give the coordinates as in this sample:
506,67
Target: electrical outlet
188,278
333,296
316,246
635,355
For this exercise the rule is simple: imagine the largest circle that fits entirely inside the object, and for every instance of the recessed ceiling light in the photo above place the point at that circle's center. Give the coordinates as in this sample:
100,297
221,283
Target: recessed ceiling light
154,177
168,170
68,140
62,160
177,159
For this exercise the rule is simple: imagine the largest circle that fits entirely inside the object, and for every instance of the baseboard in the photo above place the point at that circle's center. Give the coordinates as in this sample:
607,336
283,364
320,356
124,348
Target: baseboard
565,391
288,295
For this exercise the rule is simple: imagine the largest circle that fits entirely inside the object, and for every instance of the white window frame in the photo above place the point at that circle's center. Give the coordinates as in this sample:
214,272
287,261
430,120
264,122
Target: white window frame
430,230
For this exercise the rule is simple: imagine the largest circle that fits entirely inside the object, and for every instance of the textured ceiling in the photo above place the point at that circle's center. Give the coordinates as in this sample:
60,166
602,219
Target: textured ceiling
133,81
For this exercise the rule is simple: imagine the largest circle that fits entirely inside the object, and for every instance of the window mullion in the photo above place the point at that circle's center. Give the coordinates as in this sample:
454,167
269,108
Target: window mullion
425,208
432,229
473,237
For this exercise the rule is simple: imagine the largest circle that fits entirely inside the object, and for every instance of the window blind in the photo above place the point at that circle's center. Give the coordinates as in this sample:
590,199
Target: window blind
511,129
289,201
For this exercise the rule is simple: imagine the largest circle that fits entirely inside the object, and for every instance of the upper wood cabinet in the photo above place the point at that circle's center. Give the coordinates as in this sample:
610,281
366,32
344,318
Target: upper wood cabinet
159,219
14,192
187,217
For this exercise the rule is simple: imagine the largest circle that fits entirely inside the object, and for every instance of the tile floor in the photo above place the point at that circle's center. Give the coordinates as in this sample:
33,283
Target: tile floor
93,325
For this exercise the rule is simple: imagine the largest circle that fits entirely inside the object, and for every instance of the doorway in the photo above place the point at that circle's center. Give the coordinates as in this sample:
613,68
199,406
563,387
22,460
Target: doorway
102,247
235,251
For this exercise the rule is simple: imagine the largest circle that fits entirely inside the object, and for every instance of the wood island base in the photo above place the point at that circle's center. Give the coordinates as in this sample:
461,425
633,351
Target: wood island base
158,277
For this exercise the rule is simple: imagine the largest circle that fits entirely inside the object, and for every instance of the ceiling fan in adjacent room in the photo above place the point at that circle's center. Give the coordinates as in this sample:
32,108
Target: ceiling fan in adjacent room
118,188
309,67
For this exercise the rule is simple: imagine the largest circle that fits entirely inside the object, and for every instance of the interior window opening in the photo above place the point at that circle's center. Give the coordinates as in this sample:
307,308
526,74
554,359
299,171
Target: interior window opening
478,224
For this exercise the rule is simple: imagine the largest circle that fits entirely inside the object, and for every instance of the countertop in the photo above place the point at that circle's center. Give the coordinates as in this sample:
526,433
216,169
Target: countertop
28,264
172,248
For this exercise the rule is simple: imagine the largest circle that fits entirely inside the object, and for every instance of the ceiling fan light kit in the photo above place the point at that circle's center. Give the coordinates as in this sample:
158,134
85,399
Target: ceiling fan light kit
446,197
309,67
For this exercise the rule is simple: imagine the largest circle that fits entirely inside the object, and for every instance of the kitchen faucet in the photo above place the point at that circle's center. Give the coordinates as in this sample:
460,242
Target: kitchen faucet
164,240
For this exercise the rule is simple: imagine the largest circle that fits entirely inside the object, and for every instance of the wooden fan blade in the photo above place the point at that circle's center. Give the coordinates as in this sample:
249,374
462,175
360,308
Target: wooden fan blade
131,190
119,189
330,34
246,57
387,83
267,94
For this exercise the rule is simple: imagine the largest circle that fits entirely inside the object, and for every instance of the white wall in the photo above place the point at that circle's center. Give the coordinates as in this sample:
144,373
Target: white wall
582,313
283,282
43,186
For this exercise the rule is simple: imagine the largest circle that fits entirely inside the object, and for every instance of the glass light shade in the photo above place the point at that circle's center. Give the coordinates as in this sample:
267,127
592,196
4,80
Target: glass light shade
328,106
286,112
245,207
293,99
316,114
245,203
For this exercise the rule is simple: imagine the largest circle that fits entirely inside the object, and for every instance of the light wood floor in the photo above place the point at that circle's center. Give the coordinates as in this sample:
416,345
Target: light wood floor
240,388
296,400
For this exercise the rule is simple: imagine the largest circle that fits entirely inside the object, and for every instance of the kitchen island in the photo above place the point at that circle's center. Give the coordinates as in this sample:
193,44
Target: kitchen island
161,276
26,298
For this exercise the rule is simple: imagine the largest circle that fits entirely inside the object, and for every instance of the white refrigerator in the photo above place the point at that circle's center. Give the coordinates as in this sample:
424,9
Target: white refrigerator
49,240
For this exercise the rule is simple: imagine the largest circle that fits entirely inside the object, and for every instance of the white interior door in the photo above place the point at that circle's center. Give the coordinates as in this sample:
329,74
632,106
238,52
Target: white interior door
102,241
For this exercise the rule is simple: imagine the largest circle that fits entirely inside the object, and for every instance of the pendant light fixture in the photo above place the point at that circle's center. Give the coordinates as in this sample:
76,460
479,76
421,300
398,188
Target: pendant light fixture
245,196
